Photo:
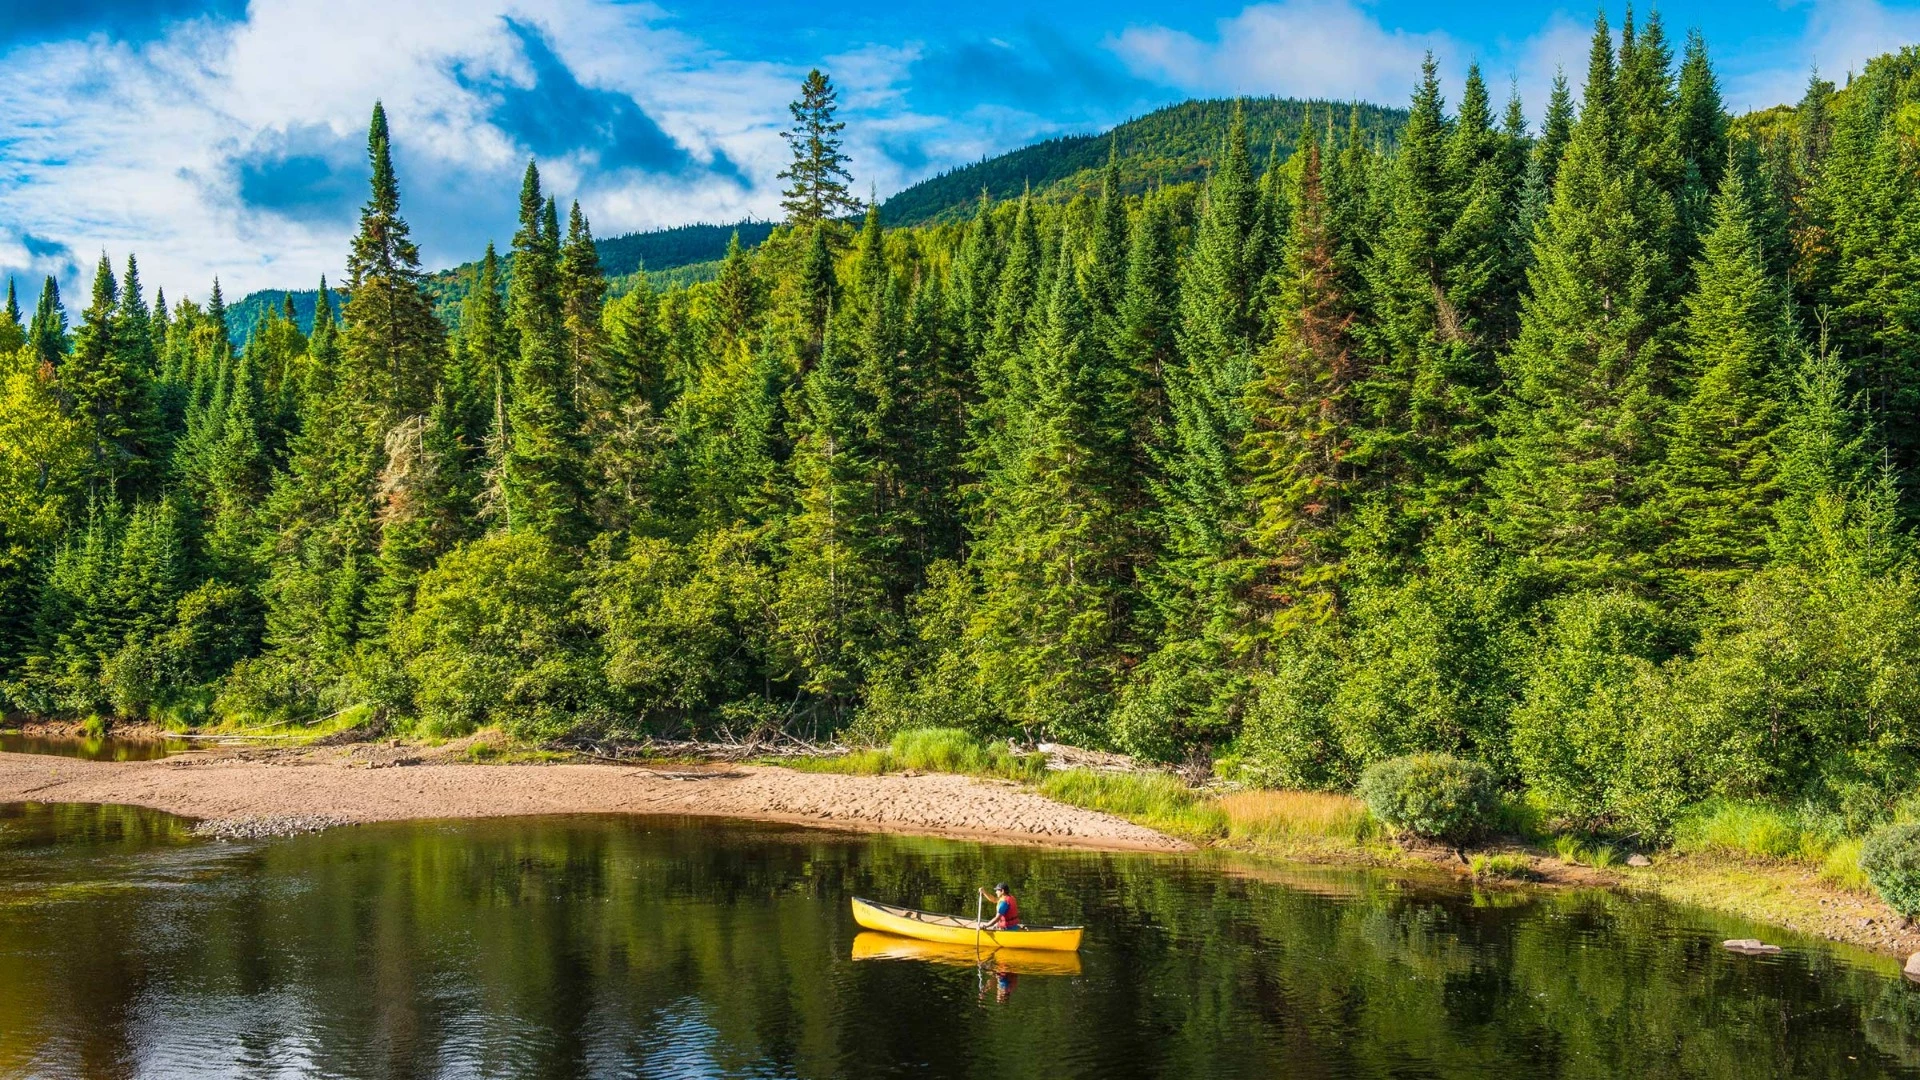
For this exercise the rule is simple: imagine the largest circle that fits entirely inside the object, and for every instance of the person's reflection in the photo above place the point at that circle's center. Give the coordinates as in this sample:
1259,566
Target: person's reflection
1003,983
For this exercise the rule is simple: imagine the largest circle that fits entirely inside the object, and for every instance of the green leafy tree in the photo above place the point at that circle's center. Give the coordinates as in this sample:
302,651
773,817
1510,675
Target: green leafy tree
543,472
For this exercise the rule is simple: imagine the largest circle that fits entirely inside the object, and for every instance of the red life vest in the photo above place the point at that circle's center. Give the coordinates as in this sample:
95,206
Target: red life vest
1009,912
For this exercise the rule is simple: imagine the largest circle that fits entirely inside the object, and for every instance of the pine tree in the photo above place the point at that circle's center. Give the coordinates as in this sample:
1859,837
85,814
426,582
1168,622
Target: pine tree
543,475
393,346
1594,350
738,294
1295,463
108,381
13,333
1049,635
1720,475
47,335
818,178
1219,332
583,291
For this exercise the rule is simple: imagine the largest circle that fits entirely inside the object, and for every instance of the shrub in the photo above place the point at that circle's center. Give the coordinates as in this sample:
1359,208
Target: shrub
495,637
1436,796
1891,859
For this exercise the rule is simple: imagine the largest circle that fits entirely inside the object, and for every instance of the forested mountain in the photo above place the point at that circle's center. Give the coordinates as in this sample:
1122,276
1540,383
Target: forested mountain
681,254
1174,145
1588,452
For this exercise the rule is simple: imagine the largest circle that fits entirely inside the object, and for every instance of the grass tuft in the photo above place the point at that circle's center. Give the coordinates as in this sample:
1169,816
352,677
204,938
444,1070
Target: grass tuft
1841,867
1296,815
1156,800
1503,867
946,750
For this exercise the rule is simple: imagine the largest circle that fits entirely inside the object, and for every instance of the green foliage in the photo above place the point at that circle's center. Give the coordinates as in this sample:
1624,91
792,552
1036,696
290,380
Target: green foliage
1310,438
496,636
1435,796
1890,859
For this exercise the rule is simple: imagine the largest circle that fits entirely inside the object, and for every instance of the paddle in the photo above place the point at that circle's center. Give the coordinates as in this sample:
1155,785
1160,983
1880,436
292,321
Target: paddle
979,899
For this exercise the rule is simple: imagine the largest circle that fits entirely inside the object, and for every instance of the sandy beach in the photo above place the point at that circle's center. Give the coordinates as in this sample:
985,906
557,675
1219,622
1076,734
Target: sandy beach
259,792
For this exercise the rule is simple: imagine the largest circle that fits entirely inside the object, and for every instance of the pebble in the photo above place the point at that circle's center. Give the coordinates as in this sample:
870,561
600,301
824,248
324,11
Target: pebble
1750,945
1913,967
1639,861
266,827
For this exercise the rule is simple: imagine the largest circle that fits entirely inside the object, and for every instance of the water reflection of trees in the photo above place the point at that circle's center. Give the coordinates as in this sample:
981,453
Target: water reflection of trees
604,946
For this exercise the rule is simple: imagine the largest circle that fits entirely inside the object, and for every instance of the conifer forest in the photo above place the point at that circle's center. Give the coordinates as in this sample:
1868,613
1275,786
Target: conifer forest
1588,449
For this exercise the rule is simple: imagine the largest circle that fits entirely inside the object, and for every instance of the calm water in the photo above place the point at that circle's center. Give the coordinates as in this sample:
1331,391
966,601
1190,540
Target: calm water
101,749
649,947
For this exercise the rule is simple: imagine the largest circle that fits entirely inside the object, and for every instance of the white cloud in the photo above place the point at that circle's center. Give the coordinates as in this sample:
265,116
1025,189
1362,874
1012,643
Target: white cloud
122,147
1298,48
1840,36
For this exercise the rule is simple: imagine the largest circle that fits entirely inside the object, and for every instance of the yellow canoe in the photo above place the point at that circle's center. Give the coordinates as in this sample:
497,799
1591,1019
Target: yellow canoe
873,945
953,930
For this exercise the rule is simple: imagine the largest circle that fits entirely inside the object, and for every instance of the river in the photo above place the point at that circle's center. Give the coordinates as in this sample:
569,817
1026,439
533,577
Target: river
667,947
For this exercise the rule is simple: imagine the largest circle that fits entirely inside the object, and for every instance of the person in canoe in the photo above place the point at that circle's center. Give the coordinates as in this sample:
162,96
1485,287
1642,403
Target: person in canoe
1006,909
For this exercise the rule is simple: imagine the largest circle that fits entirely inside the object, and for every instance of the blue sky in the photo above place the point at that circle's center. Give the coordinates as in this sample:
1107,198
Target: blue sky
227,137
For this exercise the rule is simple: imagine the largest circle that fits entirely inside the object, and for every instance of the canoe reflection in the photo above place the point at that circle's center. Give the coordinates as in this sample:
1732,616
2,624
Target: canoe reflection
871,945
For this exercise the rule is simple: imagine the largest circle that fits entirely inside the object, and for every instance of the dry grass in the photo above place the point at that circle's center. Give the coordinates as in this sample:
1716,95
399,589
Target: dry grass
1295,815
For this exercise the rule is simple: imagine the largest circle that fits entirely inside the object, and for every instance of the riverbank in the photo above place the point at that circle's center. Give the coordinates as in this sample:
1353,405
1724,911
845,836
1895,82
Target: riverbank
254,791
258,791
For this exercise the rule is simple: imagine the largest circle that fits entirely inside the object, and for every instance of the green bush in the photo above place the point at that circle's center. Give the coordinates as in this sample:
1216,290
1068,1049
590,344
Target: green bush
1436,796
495,636
1891,859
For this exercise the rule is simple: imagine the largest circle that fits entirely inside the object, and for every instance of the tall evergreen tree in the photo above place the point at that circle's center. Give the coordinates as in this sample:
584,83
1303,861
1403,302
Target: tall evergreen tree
13,333
1050,632
47,335
394,346
1594,351
1219,332
109,384
1297,461
543,475
1720,471
817,178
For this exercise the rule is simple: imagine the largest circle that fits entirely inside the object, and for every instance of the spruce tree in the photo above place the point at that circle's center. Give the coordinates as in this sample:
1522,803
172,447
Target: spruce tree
1701,123
1049,634
1306,412
1595,349
583,292
108,380
13,333
833,614
393,346
738,294
1720,474
47,335
1219,332
817,178
543,476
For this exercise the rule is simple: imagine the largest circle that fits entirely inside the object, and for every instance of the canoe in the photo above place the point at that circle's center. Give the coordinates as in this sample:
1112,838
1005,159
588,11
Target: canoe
953,930
873,945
